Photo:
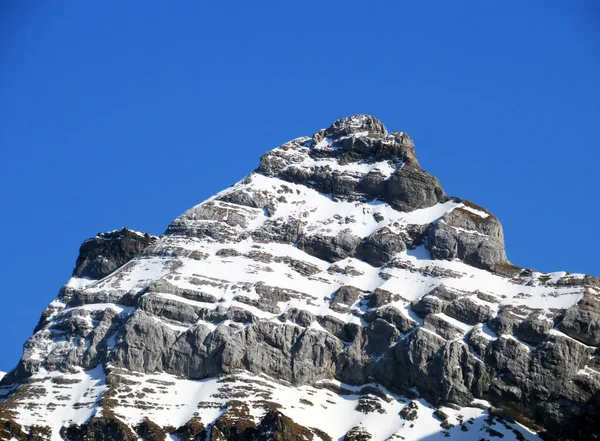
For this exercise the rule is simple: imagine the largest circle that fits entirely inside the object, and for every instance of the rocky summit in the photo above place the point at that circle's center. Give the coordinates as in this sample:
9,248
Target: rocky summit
335,293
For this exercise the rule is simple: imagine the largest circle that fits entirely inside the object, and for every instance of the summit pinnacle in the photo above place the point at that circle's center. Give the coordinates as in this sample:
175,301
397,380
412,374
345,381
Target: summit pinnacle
356,124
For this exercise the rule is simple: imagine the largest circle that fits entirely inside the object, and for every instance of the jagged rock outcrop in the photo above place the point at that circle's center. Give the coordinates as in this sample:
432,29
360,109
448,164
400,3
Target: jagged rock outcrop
469,233
103,254
334,293
381,246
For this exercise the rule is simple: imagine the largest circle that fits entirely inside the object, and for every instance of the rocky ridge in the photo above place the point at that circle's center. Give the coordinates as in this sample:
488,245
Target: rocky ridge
336,292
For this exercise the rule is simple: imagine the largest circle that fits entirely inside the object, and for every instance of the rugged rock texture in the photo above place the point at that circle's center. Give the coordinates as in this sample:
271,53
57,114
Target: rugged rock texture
334,293
381,246
469,233
101,255
410,188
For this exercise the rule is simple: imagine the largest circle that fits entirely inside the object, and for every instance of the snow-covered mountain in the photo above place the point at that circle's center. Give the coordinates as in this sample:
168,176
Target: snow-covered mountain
335,293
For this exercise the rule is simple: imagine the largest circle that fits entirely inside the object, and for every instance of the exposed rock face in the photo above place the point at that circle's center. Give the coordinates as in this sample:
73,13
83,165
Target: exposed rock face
334,293
332,248
469,233
381,246
582,325
410,188
101,255
355,124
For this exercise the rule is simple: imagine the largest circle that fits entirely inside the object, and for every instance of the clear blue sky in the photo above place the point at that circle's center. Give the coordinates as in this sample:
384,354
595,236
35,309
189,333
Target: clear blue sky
127,113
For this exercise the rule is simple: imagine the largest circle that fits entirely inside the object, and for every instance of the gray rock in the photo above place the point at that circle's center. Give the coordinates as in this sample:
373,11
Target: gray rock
410,412
345,297
330,248
169,309
398,145
299,316
304,268
332,182
444,293
506,321
197,353
582,325
468,311
274,294
218,220
558,357
338,328
145,343
511,359
372,184
381,246
534,329
361,145
263,305
298,175
103,254
410,188
406,365
285,231
478,341
163,286
462,234
428,305
393,316
227,252
356,124
236,314
381,297
121,297
283,351
442,327
457,375
277,427
246,198
352,364
276,161
380,335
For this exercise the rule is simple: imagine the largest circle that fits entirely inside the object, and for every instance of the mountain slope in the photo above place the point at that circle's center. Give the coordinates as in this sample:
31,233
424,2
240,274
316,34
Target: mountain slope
336,292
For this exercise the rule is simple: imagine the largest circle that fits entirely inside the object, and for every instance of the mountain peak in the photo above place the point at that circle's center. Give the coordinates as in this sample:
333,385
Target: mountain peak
354,124
336,292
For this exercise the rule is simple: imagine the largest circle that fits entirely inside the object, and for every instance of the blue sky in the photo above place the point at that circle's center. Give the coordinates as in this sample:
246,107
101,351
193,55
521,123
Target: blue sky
127,113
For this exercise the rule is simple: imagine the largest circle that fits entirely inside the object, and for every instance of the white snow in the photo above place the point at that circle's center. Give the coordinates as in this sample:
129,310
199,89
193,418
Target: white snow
479,213
102,306
63,404
79,283
469,280
174,401
323,145
309,406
